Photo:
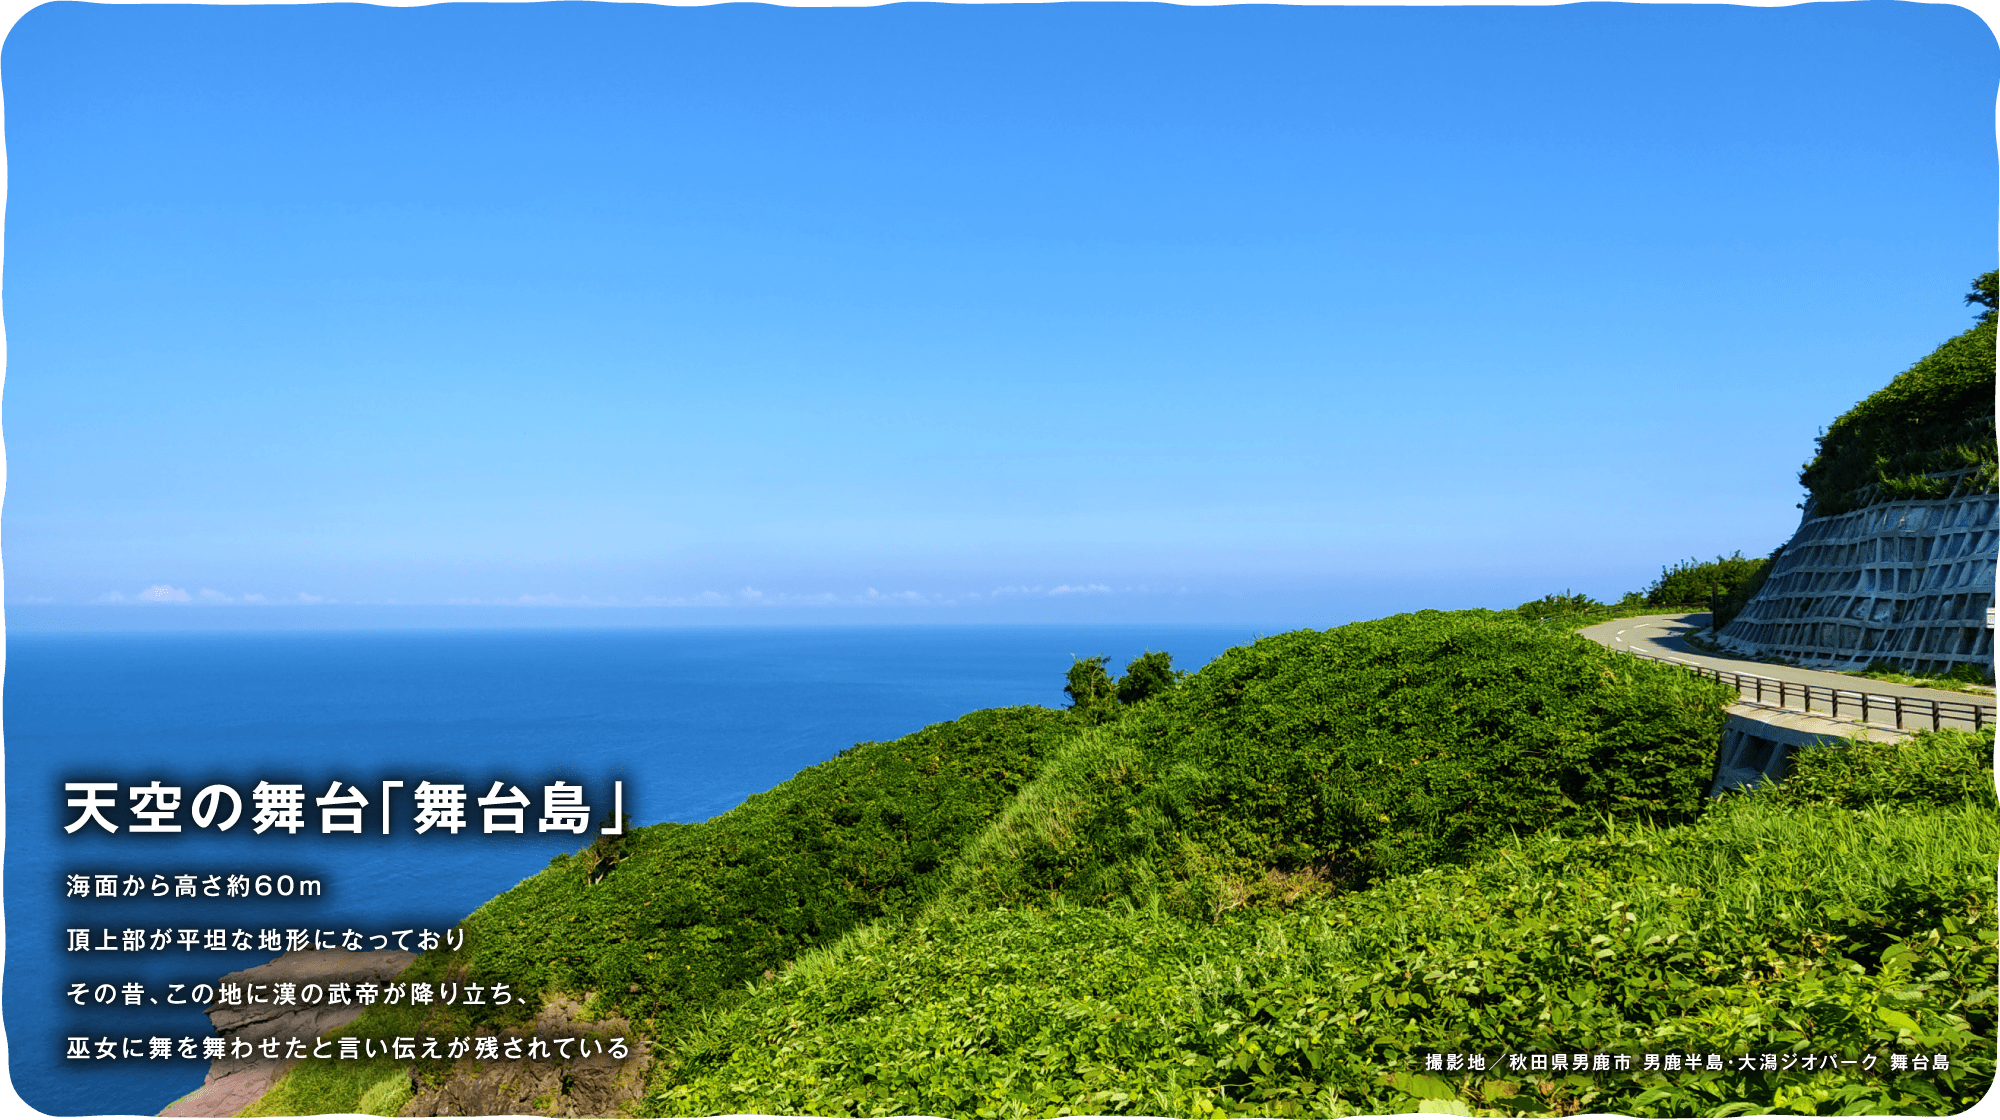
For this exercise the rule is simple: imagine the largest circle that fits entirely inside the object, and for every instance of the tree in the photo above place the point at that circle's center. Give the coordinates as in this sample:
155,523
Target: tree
1693,583
1148,674
1090,689
1985,292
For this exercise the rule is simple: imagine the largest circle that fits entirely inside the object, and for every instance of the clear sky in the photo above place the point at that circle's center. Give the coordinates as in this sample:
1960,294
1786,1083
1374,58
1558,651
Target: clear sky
956,313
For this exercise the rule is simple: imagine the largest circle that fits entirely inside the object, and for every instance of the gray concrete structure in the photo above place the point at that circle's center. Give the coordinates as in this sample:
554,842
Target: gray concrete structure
1906,582
1757,743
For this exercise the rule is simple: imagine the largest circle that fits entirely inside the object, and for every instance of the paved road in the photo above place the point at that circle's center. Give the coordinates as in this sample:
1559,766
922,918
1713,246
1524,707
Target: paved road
1665,636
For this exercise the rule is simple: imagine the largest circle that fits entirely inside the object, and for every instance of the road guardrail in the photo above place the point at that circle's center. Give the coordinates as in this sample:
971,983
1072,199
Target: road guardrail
1941,713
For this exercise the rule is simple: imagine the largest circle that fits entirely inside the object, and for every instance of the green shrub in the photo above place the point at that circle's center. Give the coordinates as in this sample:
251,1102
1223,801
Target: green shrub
1090,689
1699,585
1561,605
1933,768
1965,672
1935,417
1728,603
1754,930
1313,761
694,910
1147,675
1093,695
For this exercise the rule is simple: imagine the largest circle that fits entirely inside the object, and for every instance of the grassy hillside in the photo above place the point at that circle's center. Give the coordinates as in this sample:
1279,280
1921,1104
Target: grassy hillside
674,919
1317,761
1772,924
1935,417
1269,888
690,911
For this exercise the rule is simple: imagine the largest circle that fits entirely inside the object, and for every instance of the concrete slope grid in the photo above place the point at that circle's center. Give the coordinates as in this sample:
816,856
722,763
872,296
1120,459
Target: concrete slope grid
1906,582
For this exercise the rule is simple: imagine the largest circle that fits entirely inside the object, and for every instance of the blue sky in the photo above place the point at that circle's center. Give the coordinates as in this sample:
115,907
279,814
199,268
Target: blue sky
956,313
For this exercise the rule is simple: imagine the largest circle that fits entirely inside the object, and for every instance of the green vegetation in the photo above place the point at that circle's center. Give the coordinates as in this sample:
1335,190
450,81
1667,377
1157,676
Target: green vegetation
1270,888
1565,605
374,1088
1698,585
1922,434
1148,675
684,915
1937,769
692,911
1572,611
1090,689
1095,697
1723,585
1316,760
1961,675
1729,602
1824,920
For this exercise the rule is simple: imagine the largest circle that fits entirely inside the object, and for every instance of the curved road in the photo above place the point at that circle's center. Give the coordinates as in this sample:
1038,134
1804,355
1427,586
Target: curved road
1665,636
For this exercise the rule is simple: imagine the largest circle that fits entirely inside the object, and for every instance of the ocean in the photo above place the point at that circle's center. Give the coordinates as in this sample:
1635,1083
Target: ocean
689,720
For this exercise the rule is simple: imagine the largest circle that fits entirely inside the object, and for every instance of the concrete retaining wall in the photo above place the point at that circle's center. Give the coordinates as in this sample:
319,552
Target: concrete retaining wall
1905,582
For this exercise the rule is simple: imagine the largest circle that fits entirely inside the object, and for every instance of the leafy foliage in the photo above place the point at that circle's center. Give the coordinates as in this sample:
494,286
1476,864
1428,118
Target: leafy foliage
1314,760
1965,672
1729,603
1560,605
1269,889
1935,418
1956,680
1782,925
1091,692
1698,584
1986,293
1936,768
1148,675
692,911
1093,695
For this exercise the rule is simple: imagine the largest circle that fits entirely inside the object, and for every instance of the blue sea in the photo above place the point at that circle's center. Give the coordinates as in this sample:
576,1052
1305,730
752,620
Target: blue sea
690,720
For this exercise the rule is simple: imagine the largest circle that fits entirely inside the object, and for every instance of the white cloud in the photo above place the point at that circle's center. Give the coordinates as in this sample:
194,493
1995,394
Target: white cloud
554,600
161,593
1059,589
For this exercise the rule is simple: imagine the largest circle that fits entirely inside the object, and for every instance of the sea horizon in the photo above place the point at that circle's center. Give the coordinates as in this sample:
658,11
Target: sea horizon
692,720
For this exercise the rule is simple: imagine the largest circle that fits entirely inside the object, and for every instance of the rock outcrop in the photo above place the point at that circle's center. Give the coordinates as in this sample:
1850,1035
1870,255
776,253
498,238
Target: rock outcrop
596,1084
234,1083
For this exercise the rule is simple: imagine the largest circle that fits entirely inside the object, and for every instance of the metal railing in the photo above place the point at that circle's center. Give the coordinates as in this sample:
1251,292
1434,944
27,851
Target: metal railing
1809,698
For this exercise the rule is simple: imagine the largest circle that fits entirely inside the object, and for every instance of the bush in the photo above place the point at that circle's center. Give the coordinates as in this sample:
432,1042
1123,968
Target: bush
691,911
1695,584
1148,675
1561,605
1933,768
1965,672
1729,603
1752,931
1089,685
1314,761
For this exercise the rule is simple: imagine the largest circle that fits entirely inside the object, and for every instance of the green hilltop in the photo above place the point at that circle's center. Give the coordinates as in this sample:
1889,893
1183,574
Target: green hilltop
1918,435
1272,888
